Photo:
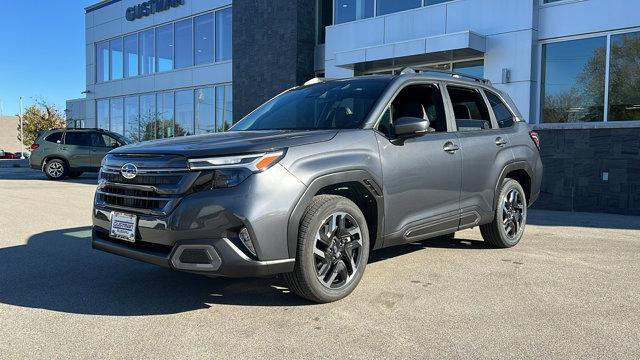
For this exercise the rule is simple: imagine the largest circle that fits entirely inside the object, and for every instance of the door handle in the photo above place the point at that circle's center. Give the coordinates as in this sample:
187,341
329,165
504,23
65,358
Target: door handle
501,142
450,147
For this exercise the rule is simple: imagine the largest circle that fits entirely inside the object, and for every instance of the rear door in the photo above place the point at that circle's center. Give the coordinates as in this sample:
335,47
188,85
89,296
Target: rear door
485,152
77,149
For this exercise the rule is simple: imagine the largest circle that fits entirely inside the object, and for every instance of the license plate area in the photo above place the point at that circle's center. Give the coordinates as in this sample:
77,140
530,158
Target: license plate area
123,226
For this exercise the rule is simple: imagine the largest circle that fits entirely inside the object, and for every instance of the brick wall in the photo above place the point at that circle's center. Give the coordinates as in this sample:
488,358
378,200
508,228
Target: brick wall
575,161
273,45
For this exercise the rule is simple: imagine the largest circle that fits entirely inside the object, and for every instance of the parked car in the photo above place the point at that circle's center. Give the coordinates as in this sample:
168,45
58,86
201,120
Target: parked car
64,153
18,155
7,155
312,181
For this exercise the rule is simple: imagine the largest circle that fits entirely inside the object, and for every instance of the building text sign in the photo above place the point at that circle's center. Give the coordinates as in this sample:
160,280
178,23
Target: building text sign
151,7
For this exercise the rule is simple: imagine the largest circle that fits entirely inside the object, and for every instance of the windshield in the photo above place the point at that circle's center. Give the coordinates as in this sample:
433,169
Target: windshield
342,104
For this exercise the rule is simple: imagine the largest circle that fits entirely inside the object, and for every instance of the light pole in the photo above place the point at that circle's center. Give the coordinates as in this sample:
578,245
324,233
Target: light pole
21,132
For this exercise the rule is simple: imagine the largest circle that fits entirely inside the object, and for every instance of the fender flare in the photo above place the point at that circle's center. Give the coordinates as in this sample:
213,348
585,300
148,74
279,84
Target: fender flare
47,158
518,165
361,176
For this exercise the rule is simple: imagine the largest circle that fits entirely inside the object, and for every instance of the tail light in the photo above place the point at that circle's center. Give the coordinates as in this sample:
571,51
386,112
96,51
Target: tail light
34,146
536,138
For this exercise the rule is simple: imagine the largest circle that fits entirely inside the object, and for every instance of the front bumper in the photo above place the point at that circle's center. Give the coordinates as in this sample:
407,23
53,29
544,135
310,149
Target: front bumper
205,226
223,257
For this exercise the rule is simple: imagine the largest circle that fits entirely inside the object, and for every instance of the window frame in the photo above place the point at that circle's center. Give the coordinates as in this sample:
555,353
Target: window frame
479,89
516,119
412,82
539,101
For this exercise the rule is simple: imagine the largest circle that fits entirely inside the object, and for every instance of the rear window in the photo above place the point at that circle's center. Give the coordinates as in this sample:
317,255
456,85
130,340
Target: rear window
78,138
503,115
54,137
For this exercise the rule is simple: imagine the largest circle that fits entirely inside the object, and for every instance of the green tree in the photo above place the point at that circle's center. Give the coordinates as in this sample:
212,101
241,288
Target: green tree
39,117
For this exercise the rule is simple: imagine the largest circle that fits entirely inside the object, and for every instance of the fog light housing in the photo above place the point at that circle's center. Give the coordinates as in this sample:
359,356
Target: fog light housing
246,241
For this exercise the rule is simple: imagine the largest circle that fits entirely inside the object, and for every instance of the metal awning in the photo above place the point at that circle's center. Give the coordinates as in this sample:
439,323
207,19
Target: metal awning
447,47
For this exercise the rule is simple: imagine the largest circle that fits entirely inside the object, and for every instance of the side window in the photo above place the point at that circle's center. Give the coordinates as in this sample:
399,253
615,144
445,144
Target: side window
77,138
97,140
469,108
55,137
503,115
421,101
109,141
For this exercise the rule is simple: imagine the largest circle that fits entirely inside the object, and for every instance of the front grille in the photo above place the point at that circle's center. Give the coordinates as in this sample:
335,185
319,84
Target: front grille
154,190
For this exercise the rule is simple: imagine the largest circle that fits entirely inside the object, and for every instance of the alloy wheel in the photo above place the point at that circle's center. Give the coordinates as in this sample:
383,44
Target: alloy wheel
337,250
55,169
512,213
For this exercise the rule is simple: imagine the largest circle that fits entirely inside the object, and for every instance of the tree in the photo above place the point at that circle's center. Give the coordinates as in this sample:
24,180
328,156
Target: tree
39,117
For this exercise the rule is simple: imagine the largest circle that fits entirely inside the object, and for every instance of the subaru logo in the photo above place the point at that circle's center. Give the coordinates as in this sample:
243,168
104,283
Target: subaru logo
129,171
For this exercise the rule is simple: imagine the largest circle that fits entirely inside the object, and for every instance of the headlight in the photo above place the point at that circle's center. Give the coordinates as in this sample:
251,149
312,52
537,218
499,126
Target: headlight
230,171
252,162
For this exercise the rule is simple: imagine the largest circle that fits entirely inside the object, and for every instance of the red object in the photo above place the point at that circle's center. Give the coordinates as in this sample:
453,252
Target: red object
536,138
34,146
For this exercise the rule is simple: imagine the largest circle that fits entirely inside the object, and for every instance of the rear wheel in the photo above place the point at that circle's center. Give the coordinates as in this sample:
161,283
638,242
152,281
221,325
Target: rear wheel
56,169
333,249
507,227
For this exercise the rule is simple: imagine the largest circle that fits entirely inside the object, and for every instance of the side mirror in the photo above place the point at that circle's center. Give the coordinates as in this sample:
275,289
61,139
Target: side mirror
410,126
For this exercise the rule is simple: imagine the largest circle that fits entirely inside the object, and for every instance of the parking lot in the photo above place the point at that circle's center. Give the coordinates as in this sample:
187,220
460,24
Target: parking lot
571,289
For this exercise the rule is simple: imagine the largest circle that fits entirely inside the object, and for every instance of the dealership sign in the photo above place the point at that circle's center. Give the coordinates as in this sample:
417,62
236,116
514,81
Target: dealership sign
151,7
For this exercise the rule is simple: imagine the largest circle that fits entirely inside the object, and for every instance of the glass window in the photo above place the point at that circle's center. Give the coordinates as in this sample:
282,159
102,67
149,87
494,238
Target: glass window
116,58
473,68
624,83
469,109
391,6
325,18
418,101
102,114
203,39
102,62
164,124
205,111
147,52
164,48
341,104
504,117
132,118
54,137
117,116
223,35
184,44
148,117
350,10
131,55
184,113
77,138
573,80
224,108
434,2
107,141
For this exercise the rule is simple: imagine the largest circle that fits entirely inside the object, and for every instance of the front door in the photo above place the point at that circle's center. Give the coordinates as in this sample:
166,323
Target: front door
421,174
101,145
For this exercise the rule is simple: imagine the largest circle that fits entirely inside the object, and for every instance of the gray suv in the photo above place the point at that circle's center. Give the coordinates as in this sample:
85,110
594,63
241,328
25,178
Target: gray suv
313,180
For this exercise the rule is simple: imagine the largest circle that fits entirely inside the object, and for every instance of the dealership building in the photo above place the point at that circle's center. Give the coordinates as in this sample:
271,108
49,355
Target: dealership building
165,68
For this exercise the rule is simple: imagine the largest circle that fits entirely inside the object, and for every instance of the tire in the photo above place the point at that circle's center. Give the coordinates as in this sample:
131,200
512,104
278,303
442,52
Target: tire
56,169
343,250
75,174
508,225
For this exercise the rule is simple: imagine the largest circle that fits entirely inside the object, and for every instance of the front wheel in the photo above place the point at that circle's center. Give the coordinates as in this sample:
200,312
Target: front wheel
56,169
507,227
333,249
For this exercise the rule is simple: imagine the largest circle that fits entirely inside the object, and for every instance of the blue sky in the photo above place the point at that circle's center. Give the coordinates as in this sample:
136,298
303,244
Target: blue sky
42,52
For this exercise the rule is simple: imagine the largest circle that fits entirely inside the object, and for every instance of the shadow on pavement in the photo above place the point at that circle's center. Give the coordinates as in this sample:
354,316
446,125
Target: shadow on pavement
580,219
58,270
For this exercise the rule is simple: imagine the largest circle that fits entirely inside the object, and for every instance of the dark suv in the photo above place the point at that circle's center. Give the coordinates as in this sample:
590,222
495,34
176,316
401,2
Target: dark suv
60,153
311,181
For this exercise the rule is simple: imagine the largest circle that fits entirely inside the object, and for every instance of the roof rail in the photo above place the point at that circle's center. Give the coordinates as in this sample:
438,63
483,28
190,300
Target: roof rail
452,74
315,80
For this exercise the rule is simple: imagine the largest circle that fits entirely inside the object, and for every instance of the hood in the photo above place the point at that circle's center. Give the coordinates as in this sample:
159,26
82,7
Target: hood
228,143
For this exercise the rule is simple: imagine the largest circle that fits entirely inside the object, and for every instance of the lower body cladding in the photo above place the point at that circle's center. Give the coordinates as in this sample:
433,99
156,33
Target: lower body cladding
201,233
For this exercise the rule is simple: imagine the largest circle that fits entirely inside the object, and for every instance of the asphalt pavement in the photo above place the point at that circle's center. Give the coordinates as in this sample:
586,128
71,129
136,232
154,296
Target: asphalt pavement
570,289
